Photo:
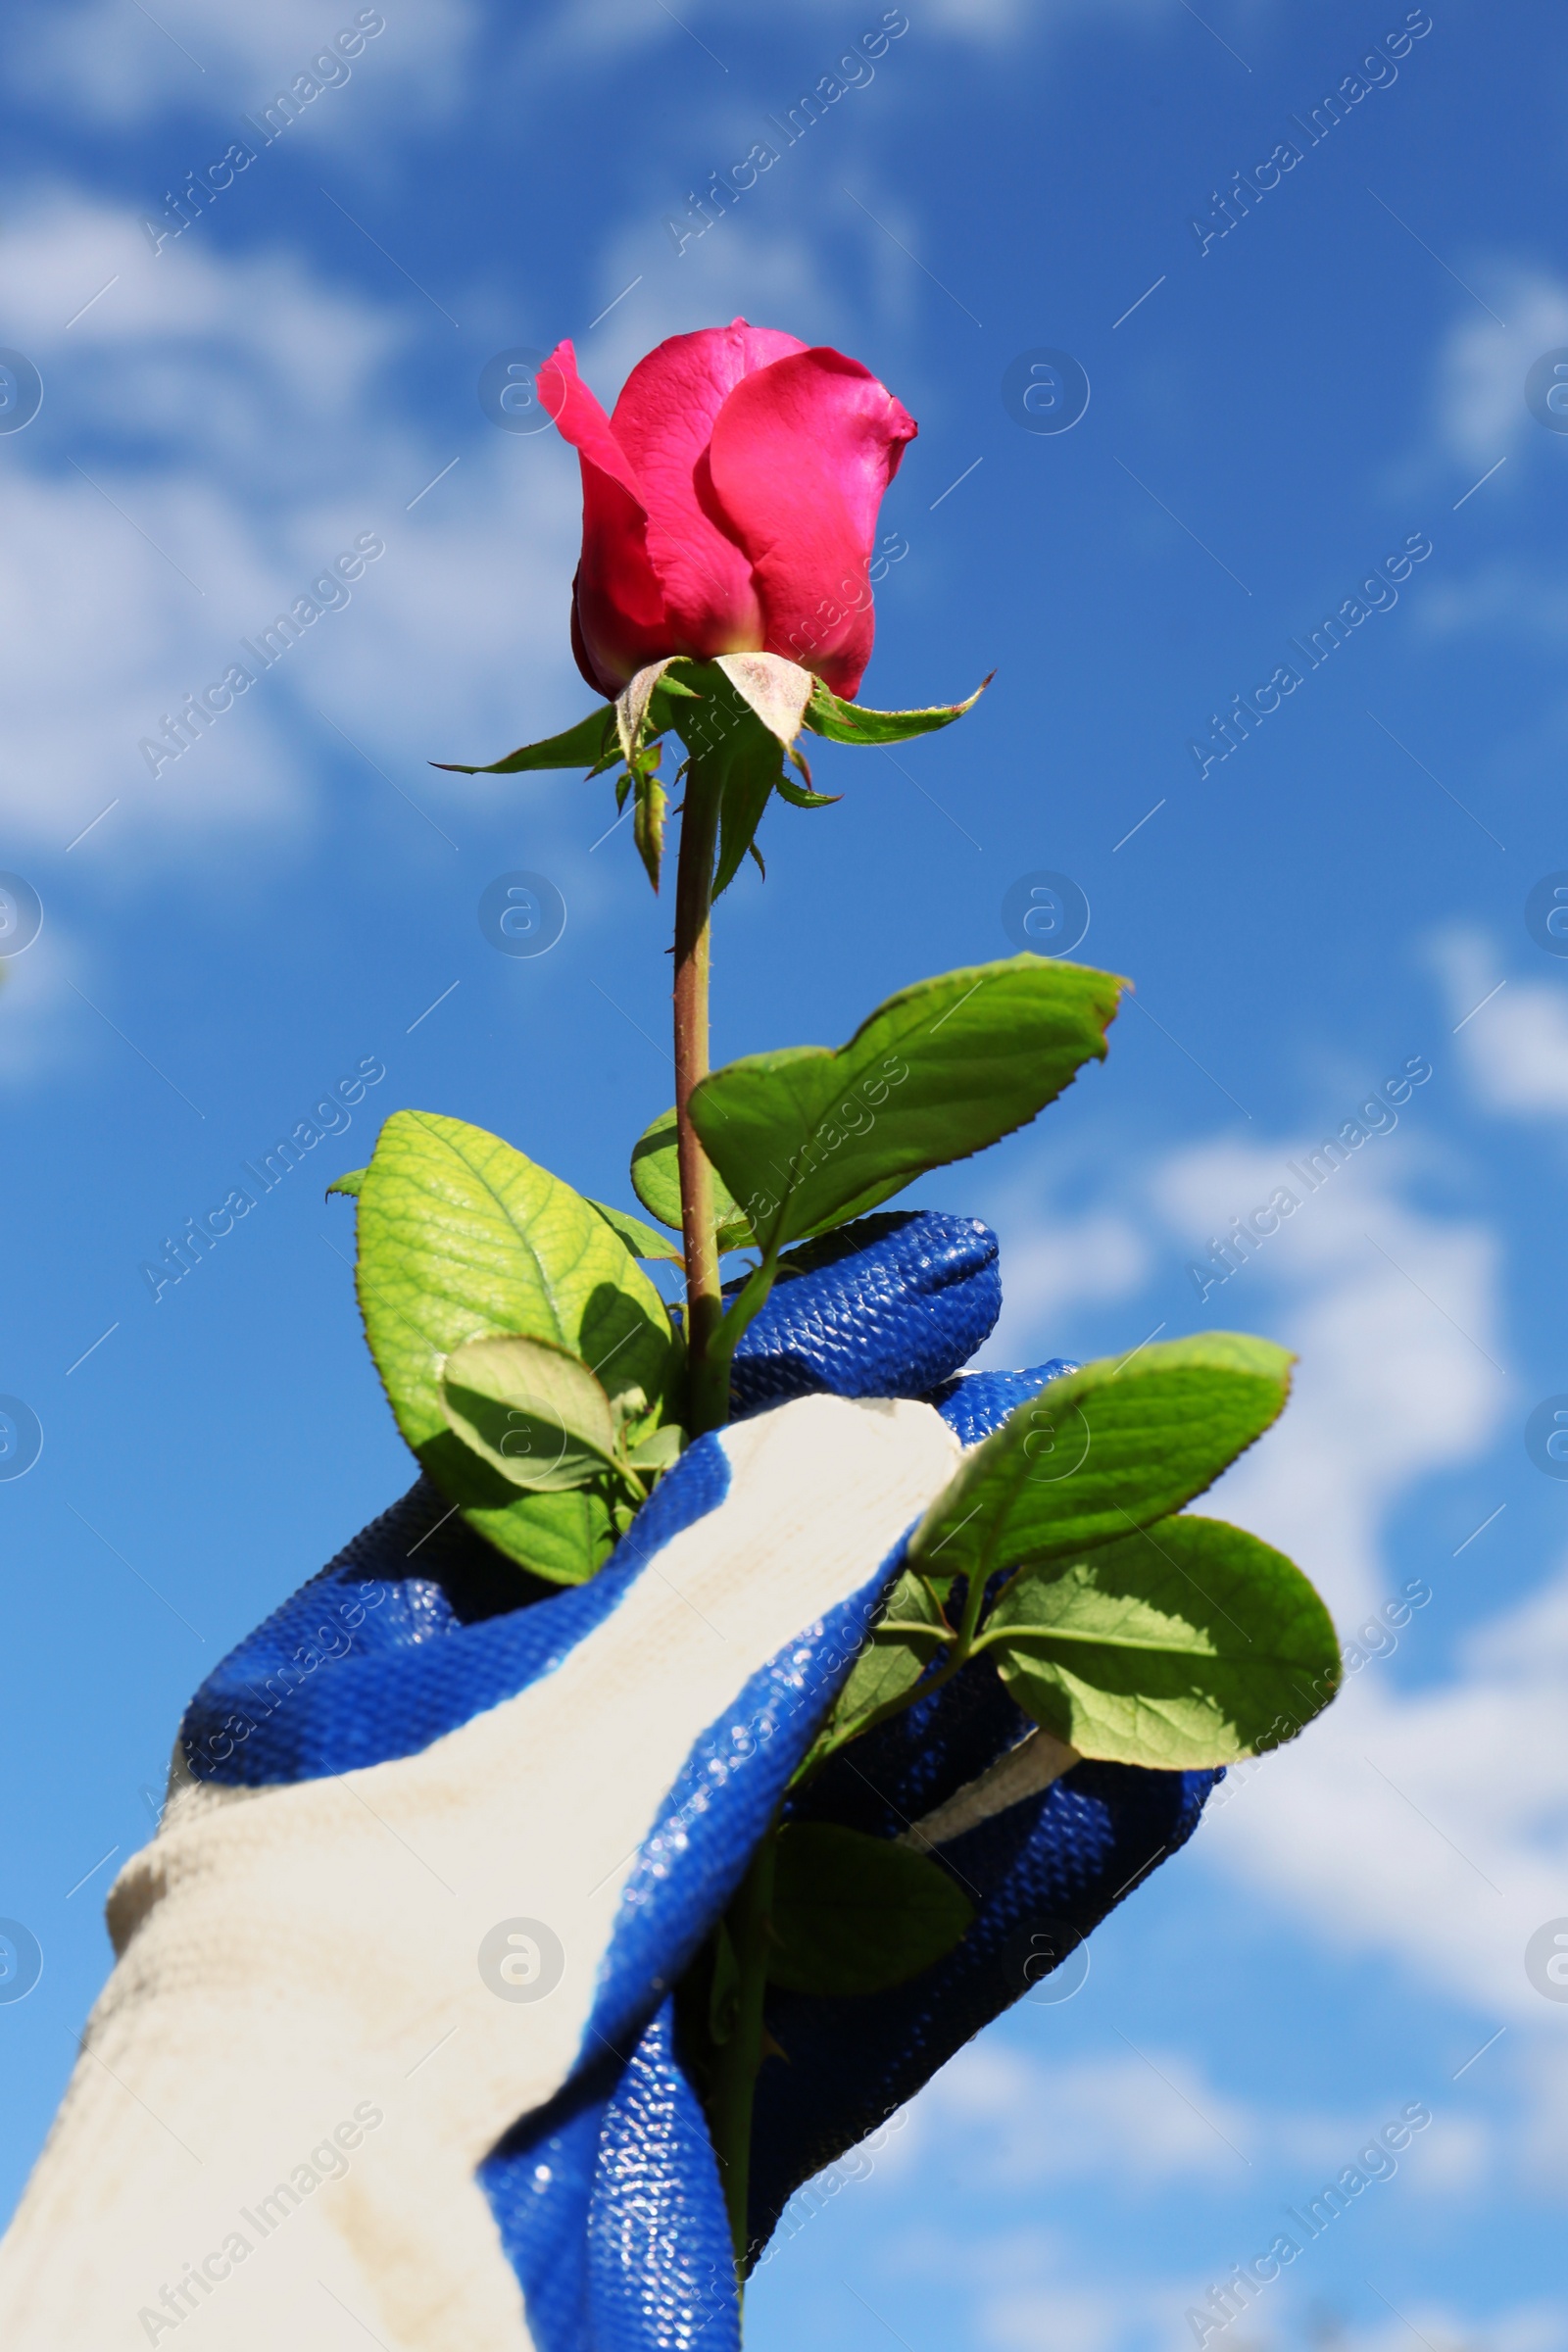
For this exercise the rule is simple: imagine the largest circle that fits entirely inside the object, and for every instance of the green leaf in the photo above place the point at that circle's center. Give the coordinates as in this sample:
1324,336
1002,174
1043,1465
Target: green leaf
1103,1451
849,722
1188,1644
639,1239
807,1138
462,1238
662,1451
585,745
908,1635
857,1914
656,1179
533,1411
349,1183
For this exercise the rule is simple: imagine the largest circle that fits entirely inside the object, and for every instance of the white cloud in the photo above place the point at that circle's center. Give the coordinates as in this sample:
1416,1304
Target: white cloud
1012,2122
1019,2122
69,243
221,58
1544,2132
1054,1262
37,1007
1430,1828
1391,1313
1481,388
1028,2288
1029,2318
593,28
1519,1061
1514,1046
1014,2130
994,22
250,437
1523,601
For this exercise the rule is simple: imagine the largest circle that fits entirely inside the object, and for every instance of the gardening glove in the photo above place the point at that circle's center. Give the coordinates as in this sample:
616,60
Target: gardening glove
390,2043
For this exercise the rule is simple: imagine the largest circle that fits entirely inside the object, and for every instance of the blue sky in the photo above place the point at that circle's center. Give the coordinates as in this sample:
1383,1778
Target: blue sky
1273,413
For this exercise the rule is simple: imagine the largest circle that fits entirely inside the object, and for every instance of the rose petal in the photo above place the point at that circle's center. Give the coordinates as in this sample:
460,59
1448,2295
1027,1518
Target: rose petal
663,421
620,624
579,418
598,679
800,453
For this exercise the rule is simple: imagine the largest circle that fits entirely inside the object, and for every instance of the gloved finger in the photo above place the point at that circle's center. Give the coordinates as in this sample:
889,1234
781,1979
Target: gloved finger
611,2211
1044,1846
1041,1873
891,1305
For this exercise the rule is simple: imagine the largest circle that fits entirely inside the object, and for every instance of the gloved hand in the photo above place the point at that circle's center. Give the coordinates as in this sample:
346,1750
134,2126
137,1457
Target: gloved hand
390,2043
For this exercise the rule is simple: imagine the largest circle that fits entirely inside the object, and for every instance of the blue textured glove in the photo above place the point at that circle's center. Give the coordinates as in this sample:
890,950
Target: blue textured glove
605,2192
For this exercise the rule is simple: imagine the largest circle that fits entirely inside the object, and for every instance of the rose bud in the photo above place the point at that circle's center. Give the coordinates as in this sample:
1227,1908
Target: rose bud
729,504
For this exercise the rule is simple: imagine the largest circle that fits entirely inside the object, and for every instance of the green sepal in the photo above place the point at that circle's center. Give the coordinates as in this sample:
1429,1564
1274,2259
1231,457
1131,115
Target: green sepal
809,1137
591,744
642,708
755,764
738,756
648,819
1188,1644
656,1181
850,722
853,1913
799,796
776,690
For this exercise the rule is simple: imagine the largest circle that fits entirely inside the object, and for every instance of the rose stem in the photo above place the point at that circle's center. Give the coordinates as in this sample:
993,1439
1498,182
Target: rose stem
736,2061
693,897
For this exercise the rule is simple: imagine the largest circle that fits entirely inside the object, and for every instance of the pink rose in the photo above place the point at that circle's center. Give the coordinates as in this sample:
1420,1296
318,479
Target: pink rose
729,504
